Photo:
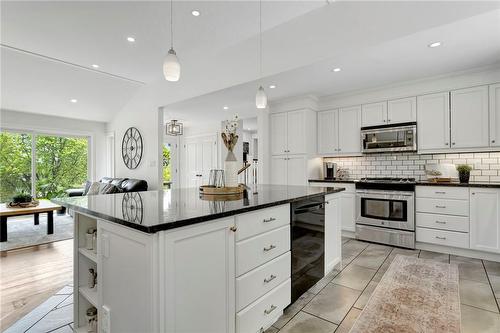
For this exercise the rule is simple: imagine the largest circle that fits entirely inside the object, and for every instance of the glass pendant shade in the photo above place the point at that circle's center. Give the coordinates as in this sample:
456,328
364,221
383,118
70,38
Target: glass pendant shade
175,128
171,66
261,98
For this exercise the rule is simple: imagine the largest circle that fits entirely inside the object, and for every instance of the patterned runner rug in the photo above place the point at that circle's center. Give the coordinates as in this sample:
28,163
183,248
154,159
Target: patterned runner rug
414,296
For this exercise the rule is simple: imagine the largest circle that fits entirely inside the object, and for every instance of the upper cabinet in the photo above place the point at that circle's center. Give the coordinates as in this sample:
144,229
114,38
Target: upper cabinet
339,131
293,132
374,114
495,115
402,110
469,118
433,121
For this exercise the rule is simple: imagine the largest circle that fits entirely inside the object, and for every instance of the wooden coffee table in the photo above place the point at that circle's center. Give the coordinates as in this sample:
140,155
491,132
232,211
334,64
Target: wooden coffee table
45,206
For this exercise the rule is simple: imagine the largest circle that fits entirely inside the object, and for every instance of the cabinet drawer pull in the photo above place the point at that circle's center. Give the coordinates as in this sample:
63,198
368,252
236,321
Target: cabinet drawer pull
440,192
438,206
271,219
233,228
441,222
269,279
442,238
269,248
271,309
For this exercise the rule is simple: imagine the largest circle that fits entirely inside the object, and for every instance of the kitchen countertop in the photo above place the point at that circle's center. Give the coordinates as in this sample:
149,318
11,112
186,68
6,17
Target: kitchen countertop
420,183
153,211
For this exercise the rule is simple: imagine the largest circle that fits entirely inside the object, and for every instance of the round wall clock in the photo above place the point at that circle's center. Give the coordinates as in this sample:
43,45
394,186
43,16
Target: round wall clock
132,148
132,209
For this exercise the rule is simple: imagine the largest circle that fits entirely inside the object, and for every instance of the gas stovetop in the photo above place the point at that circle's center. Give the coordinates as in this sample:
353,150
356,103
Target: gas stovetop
388,183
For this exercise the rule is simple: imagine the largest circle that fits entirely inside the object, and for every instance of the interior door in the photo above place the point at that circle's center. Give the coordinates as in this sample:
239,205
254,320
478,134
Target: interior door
328,132
191,172
433,119
349,130
209,158
469,118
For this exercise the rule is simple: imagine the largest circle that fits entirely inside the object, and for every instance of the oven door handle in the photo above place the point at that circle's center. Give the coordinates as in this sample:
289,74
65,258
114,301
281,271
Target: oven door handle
384,194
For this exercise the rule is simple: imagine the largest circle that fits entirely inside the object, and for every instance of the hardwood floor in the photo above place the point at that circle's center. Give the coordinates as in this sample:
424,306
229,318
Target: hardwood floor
30,276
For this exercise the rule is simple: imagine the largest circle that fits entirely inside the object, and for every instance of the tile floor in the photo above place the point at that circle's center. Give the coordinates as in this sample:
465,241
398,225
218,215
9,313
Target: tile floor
334,303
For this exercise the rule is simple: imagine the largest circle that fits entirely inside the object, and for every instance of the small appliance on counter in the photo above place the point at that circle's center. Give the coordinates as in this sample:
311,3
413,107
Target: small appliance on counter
329,170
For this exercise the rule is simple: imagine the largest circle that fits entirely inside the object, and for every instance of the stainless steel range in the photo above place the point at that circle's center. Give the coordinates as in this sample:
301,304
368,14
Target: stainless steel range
385,211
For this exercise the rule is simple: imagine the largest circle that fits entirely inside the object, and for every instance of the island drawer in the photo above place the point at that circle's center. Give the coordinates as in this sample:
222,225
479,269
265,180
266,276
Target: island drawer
258,222
444,222
442,237
258,250
442,192
442,206
262,279
265,311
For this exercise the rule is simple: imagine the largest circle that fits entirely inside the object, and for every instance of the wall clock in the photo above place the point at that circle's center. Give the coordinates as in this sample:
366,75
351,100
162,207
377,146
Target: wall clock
132,148
132,208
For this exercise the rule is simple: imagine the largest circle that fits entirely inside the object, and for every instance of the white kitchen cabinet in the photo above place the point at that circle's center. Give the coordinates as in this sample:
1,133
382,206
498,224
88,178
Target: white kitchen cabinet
333,241
485,219
202,253
278,170
433,122
374,114
279,134
296,170
296,132
402,110
349,131
494,107
469,118
328,132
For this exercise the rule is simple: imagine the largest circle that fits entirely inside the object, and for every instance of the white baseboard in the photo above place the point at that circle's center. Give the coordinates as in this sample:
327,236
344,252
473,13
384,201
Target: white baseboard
458,251
348,234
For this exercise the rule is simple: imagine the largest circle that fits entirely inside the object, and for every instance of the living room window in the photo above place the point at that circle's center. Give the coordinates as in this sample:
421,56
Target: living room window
41,165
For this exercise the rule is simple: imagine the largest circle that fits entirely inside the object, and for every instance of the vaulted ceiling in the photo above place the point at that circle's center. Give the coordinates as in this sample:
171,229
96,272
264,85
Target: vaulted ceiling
48,49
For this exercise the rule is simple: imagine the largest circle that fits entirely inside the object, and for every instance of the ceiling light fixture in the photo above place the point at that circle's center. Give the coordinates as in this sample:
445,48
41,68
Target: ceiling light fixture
260,97
195,13
73,100
435,44
336,70
131,39
174,128
272,86
95,66
226,107
171,65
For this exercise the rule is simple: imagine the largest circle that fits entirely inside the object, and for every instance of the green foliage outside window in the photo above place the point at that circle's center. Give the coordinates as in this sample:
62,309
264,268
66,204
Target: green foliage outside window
167,168
15,165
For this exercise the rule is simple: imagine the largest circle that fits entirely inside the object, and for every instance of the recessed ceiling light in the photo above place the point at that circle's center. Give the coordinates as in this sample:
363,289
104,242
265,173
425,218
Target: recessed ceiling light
336,70
272,86
95,66
131,39
226,107
195,13
435,44
73,100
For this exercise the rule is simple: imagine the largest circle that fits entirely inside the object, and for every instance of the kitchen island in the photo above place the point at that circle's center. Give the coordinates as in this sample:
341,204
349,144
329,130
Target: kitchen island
171,261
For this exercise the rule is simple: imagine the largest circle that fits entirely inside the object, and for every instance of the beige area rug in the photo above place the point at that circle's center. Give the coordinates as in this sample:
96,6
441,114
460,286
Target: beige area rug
414,295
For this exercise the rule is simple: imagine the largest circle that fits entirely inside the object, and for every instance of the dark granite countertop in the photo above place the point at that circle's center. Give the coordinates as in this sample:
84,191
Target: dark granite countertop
422,183
347,180
153,211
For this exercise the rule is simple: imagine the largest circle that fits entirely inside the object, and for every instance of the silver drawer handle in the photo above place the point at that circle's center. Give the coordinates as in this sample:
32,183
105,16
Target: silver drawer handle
443,238
442,222
437,206
269,279
440,192
269,248
271,309
271,219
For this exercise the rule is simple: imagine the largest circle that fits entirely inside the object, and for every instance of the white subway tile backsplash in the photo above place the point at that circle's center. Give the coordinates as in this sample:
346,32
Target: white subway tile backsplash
486,166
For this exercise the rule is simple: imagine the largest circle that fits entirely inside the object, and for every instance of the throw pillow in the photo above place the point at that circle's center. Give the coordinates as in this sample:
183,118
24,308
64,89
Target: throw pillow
108,189
94,188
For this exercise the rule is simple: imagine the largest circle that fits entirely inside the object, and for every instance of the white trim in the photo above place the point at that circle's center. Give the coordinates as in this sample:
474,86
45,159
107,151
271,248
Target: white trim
110,154
458,251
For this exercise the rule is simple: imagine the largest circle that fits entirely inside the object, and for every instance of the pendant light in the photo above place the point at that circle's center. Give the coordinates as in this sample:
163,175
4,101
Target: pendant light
171,65
260,97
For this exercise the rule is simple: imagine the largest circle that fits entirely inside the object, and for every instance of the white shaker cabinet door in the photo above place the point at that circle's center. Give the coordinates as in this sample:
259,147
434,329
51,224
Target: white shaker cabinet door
349,130
328,132
402,110
333,241
279,134
485,219
279,170
469,118
374,114
348,201
297,170
296,132
199,279
495,115
433,119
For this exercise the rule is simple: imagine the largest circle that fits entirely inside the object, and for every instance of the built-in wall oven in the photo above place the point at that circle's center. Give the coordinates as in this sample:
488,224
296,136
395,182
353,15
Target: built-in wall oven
389,138
385,211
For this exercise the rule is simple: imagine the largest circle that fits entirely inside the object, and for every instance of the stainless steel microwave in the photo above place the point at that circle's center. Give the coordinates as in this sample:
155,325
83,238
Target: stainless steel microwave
389,138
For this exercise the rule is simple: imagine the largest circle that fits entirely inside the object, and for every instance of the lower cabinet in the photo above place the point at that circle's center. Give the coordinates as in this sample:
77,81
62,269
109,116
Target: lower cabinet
485,219
333,241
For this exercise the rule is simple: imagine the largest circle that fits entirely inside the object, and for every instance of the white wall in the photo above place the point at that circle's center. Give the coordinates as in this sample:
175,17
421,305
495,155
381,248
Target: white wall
59,125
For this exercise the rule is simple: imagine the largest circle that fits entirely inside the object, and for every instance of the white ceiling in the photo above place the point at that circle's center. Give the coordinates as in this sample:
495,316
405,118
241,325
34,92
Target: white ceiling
373,42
